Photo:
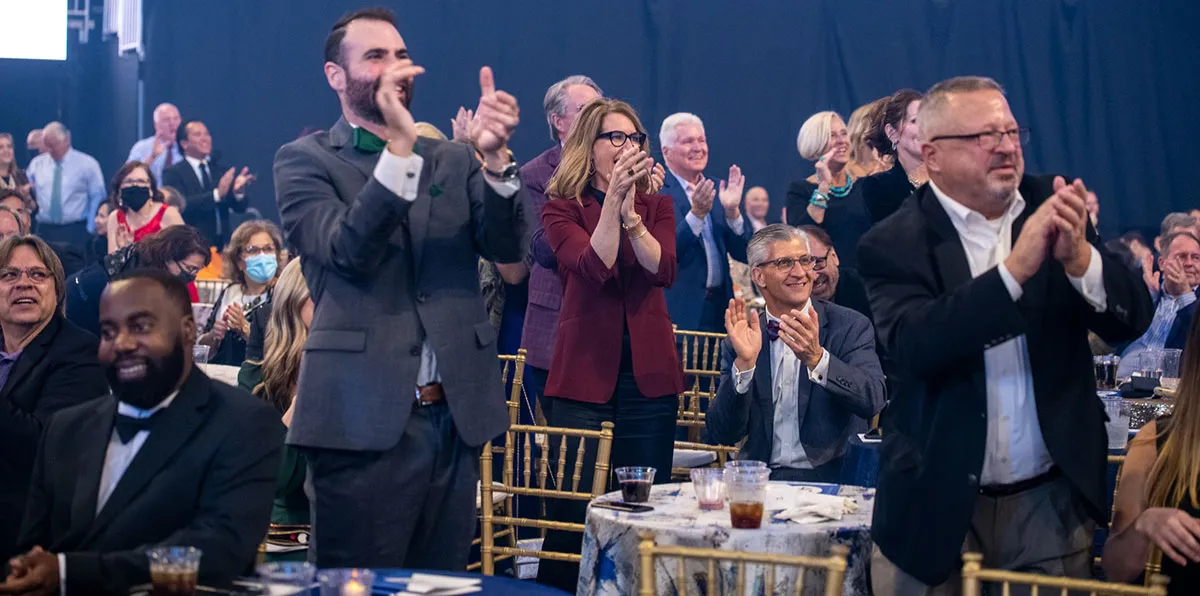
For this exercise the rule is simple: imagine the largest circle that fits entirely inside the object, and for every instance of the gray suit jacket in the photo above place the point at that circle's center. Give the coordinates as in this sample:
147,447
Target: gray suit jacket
854,392
384,274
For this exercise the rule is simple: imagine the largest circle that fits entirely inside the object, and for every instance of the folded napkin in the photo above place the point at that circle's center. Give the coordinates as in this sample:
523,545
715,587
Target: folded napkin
810,508
437,585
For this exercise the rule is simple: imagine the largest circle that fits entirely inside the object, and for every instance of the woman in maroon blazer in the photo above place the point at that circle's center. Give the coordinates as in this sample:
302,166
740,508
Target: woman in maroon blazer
615,357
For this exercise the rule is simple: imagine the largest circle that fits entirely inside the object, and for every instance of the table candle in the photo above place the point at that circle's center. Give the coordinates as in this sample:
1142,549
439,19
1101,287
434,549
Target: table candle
353,588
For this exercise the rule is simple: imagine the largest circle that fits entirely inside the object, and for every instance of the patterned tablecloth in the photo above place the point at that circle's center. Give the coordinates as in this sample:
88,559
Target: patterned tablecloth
610,544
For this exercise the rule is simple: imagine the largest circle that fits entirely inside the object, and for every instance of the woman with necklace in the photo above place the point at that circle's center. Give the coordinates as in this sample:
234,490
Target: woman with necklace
252,261
11,176
894,133
829,199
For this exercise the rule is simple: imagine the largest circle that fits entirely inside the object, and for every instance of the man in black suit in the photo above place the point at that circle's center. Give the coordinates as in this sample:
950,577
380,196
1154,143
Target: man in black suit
171,459
211,190
47,364
801,378
984,287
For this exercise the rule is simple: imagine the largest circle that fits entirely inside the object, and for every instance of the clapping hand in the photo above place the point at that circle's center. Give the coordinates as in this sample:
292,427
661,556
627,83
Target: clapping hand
401,129
1174,279
731,192
225,183
743,333
1152,279
800,331
1070,219
242,179
1033,244
461,125
495,119
702,198
657,176
235,318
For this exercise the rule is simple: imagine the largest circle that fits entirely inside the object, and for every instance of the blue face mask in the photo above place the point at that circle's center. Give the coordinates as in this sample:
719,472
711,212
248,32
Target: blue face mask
261,268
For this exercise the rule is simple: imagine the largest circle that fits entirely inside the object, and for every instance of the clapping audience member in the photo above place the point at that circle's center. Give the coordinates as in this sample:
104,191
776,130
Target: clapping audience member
159,151
894,132
138,211
615,359
251,261
181,251
46,364
704,240
211,190
1175,304
1158,504
799,379
171,458
1173,222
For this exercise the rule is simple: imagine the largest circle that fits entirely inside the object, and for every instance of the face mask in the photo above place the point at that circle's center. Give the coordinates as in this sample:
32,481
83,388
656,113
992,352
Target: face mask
135,197
185,277
261,268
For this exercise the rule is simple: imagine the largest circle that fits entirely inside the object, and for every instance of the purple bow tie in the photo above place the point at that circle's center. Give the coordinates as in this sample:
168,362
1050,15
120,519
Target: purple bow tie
772,330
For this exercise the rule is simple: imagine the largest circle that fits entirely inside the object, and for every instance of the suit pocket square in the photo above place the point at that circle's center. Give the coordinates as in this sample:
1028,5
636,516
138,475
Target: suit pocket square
434,191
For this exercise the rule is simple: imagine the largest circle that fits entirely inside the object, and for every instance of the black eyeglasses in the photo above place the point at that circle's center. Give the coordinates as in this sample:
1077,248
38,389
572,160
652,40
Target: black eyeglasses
618,138
789,263
191,272
991,139
819,263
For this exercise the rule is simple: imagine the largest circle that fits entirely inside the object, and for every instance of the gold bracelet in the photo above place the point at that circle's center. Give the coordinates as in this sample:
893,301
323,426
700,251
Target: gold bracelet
643,229
630,227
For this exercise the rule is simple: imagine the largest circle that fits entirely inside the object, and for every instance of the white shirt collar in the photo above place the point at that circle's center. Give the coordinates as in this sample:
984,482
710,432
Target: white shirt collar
195,163
683,183
965,217
125,409
771,317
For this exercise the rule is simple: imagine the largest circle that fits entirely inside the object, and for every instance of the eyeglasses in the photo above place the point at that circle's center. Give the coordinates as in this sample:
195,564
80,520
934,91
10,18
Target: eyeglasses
618,137
991,139
254,251
819,263
12,275
788,263
191,272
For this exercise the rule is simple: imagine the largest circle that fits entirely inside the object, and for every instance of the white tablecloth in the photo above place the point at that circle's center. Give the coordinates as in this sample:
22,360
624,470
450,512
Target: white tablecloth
610,545
221,372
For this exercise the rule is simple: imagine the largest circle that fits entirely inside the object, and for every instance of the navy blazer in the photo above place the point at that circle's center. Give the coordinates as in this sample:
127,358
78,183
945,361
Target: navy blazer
854,391
1177,337
685,299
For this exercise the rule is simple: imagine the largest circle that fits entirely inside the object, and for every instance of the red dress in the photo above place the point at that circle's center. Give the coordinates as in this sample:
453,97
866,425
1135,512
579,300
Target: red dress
151,227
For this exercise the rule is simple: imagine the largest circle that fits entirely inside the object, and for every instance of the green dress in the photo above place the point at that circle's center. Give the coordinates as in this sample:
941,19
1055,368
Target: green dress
291,504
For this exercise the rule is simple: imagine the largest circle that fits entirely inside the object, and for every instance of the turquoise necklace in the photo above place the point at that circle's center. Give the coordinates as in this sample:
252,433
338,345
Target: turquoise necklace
841,191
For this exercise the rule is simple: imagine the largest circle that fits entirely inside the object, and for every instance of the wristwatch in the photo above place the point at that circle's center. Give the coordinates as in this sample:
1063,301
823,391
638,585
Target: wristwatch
509,172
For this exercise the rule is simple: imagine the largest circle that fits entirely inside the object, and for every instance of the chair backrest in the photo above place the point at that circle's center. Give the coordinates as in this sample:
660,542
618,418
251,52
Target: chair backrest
699,350
721,454
209,289
974,575
715,576
551,480
700,355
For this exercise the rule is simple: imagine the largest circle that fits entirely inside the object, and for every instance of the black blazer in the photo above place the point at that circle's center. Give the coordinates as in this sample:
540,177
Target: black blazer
56,370
884,192
205,477
845,220
202,212
853,392
936,321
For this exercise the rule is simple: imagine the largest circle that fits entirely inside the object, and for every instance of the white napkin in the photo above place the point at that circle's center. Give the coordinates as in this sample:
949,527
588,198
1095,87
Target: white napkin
439,585
809,508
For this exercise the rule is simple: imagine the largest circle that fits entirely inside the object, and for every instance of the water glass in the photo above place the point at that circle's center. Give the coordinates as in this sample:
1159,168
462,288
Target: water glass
200,354
1170,368
1148,364
287,573
346,582
635,483
1106,370
747,493
709,484
1118,421
173,570
739,465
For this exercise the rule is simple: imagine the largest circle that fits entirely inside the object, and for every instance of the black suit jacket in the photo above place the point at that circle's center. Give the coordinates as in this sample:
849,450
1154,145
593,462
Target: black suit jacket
56,370
205,477
936,321
885,192
202,211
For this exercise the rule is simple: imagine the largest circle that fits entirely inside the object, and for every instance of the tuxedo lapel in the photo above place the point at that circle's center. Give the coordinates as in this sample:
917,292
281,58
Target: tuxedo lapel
93,441
173,428
340,140
30,358
419,211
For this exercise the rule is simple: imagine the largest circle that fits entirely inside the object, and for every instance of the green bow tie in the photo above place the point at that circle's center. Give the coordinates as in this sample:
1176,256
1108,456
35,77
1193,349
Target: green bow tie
367,142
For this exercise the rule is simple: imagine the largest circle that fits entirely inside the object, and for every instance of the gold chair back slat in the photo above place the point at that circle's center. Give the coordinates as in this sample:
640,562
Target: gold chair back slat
833,565
974,575
724,453
208,289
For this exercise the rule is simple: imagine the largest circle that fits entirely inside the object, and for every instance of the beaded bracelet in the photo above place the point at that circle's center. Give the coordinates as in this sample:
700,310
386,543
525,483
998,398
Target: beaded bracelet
819,200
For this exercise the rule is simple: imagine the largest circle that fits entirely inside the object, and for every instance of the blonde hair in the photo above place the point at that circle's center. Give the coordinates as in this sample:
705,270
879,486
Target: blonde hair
429,131
1176,472
814,135
859,129
237,243
575,168
283,345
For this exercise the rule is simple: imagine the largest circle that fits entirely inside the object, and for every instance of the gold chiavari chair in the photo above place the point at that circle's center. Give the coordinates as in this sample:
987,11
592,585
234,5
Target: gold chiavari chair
1153,564
1119,461
549,482
209,289
700,355
719,453
714,579
974,575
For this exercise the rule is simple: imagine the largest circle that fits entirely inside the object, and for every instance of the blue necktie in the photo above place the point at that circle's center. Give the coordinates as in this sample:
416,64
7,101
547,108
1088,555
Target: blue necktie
710,251
55,214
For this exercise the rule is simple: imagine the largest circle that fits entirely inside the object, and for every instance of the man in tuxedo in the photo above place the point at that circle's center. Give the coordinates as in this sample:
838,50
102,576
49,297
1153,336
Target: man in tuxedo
390,228
170,459
160,150
46,364
562,103
798,380
1175,304
702,288
211,191
984,287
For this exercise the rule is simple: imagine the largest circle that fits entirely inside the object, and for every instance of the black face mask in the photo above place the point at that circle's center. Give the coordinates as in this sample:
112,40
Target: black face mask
160,380
135,197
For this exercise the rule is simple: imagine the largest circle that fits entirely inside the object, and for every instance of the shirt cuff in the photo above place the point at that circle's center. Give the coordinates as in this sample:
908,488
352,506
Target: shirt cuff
216,195
62,574
1014,289
401,175
737,225
693,222
1091,285
741,379
818,373
504,188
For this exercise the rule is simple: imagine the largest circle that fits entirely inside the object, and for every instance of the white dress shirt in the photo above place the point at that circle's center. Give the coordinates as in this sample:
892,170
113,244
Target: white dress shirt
786,450
402,176
116,461
1015,449
142,149
82,187
700,226
213,177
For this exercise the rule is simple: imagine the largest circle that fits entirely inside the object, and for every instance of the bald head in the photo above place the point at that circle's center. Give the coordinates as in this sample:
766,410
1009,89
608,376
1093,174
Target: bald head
166,121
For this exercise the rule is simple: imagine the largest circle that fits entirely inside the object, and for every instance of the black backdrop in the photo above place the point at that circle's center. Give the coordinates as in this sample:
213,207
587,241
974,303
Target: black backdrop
1108,86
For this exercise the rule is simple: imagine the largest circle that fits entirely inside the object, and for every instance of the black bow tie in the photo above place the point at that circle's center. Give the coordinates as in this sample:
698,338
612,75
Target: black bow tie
772,330
128,426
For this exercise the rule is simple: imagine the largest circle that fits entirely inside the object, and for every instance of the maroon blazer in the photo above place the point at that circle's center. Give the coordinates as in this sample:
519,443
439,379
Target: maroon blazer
545,289
598,303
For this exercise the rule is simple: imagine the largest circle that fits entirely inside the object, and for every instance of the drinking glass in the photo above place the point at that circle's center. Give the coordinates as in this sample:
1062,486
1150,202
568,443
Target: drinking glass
709,484
1170,368
288,573
200,354
1118,421
173,570
635,483
346,582
747,492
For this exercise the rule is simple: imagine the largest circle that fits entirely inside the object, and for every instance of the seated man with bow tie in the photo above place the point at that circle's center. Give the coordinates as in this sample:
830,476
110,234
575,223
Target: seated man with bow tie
171,459
800,379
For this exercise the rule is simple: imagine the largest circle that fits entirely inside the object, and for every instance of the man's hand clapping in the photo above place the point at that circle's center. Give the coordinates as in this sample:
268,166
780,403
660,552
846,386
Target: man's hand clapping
495,119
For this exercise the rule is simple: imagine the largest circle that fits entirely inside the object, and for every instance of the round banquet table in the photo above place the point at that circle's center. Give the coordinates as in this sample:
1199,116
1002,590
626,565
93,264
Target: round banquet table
220,372
491,585
610,544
